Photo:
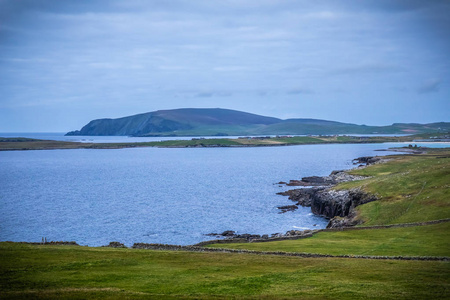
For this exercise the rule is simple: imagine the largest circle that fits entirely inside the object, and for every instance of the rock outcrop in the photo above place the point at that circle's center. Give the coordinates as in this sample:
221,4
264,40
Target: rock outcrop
230,234
330,203
368,160
115,245
287,208
334,178
301,197
325,201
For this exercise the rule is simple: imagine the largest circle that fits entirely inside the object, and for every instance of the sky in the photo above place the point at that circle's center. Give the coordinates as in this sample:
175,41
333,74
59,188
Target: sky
64,63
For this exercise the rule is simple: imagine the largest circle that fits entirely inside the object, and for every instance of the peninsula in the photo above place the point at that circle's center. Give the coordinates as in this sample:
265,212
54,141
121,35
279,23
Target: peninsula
10,144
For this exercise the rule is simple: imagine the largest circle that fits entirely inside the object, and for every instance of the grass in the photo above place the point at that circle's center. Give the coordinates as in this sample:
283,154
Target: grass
429,240
71,272
410,189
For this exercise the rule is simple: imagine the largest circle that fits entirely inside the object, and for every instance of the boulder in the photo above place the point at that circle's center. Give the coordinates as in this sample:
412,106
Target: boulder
368,160
228,233
302,197
287,208
115,245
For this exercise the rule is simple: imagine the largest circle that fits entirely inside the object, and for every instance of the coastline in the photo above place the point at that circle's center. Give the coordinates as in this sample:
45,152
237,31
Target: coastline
316,192
286,245
24,144
308,183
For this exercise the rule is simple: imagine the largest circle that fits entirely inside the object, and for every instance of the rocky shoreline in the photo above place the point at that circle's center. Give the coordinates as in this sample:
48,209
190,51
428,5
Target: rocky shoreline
317,192
336,205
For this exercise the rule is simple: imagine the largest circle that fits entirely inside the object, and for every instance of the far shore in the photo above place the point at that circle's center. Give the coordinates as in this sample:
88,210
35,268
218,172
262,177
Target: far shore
18,144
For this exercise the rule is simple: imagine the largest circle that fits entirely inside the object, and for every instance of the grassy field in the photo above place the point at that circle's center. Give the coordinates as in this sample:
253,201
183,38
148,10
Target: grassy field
71,272
411,188
428,240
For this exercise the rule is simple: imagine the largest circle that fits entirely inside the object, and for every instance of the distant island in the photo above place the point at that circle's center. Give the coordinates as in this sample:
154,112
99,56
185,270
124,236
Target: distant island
226,122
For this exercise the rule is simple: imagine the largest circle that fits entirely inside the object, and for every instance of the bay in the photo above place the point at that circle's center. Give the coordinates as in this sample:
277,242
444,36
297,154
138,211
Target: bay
157,195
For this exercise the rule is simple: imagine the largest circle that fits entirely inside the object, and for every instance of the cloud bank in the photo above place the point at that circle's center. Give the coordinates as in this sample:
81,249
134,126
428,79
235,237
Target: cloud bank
64,63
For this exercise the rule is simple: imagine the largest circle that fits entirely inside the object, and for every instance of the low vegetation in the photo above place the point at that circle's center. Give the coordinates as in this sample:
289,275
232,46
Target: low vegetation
71,272
411,188
428,240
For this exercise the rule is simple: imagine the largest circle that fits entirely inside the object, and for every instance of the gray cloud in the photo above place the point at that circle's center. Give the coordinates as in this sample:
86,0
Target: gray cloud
373,68
299,91
204,95
114,57
430,86
213,94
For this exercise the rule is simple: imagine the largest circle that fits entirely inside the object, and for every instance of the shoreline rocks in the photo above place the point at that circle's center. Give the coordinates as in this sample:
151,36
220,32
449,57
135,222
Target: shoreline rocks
367,160
115,245
318,193
230,234
336,205
287,208
334,178
330,203
255,238
302,197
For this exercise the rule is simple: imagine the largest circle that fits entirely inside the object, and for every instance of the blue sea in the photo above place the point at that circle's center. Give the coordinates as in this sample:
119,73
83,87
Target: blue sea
159,195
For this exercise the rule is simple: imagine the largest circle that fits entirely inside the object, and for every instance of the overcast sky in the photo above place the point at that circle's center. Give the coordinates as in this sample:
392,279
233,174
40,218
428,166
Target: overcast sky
65,62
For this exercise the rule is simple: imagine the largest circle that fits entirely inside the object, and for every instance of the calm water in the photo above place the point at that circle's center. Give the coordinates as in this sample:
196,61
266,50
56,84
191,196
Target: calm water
159,195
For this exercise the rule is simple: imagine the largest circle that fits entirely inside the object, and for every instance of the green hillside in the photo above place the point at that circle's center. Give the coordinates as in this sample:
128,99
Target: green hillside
223,122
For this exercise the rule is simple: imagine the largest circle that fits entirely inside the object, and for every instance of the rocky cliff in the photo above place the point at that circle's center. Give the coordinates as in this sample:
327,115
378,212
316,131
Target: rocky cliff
325,201
330,203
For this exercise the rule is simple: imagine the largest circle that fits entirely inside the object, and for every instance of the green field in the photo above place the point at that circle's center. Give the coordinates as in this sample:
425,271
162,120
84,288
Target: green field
428,240
410,189
71,272
413,188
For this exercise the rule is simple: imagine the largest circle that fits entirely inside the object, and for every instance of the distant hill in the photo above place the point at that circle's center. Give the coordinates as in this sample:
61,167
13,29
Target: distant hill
223,122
